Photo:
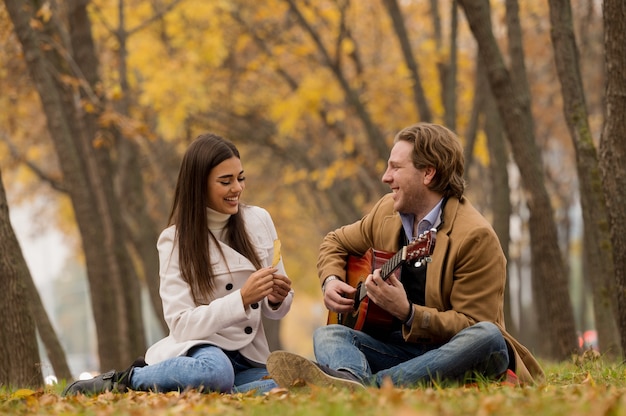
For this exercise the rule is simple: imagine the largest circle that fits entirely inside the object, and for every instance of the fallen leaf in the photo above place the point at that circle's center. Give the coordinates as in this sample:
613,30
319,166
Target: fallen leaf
22,393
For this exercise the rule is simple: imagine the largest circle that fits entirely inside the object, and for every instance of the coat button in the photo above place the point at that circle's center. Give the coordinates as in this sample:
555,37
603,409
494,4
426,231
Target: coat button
229,286
248,330
255,306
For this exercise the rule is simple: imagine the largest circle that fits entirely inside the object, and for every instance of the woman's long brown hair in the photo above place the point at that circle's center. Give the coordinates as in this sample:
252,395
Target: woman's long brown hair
190,216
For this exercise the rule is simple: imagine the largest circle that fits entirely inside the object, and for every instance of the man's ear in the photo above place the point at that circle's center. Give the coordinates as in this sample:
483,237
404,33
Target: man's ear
429,174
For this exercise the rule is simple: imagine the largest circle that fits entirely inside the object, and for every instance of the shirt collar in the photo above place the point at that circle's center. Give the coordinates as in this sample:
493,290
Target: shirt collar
432,219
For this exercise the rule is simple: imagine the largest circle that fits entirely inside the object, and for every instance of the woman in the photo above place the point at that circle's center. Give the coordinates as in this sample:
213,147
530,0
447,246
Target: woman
217,281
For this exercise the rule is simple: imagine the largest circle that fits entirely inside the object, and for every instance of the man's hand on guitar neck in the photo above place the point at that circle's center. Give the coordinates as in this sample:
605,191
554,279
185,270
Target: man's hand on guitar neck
338,296
388,294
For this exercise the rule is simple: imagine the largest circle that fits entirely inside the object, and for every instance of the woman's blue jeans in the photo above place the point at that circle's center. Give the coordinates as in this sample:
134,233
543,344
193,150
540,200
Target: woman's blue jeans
205,367
480,348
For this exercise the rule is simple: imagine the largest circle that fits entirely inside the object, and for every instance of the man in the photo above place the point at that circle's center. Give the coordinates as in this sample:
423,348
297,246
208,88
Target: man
446,312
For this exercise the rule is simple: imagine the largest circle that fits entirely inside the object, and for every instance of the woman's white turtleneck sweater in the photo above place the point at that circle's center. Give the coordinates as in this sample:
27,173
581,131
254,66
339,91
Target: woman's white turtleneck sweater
217,223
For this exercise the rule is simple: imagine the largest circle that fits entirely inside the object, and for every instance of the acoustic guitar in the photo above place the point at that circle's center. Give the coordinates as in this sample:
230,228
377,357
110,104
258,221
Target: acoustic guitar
367,316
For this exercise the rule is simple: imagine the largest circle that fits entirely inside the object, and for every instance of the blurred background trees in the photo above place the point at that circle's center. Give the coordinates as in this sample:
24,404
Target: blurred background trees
100,98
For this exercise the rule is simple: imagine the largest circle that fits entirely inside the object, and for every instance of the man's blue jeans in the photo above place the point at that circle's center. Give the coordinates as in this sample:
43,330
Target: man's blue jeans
480,348
205,367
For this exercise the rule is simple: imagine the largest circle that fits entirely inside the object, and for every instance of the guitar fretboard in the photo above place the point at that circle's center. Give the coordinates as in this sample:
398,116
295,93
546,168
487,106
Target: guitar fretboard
393,263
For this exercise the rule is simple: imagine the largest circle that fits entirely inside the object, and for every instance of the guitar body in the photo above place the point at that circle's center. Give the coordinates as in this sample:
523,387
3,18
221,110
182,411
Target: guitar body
367,316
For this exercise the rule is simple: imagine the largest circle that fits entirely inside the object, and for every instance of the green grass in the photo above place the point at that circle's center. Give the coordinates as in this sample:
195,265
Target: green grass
579,387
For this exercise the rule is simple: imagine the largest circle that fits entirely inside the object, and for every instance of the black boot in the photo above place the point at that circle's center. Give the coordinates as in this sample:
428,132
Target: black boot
110,381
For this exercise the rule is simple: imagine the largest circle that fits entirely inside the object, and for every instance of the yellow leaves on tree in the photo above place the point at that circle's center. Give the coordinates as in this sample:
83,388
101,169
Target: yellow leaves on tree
169,65
323,177
481,151
316,91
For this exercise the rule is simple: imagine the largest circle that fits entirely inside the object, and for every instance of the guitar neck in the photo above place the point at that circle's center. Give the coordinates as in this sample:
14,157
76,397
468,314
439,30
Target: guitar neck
393,263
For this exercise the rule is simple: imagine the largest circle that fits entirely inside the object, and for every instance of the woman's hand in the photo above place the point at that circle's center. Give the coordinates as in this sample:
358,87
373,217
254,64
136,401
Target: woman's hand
280,289
259,285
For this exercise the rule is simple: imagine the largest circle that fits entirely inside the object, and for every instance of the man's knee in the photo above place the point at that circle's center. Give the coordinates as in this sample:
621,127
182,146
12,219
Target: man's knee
329,334
487,330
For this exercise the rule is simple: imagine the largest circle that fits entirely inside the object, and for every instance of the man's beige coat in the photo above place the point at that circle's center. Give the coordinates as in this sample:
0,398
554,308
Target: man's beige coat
464,282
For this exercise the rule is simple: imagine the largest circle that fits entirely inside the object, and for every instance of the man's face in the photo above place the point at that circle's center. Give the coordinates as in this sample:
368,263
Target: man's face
407,183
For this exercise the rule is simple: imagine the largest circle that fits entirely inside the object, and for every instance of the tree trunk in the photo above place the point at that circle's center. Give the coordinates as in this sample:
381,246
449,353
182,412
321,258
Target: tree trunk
596,232
613,147
82,149
48,335
550,286
500,192
448,76
399,29
19,355
122,277
140,228
485,111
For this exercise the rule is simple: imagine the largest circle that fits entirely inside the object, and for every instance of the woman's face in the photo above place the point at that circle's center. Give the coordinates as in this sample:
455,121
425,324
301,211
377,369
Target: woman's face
225,185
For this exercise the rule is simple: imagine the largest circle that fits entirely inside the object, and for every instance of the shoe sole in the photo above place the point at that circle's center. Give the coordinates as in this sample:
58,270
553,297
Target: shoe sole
292,370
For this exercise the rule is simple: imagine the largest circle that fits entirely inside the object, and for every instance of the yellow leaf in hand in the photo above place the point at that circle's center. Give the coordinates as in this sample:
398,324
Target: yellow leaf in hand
276,258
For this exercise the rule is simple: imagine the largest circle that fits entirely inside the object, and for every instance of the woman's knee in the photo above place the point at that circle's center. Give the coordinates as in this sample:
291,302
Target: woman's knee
213,370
